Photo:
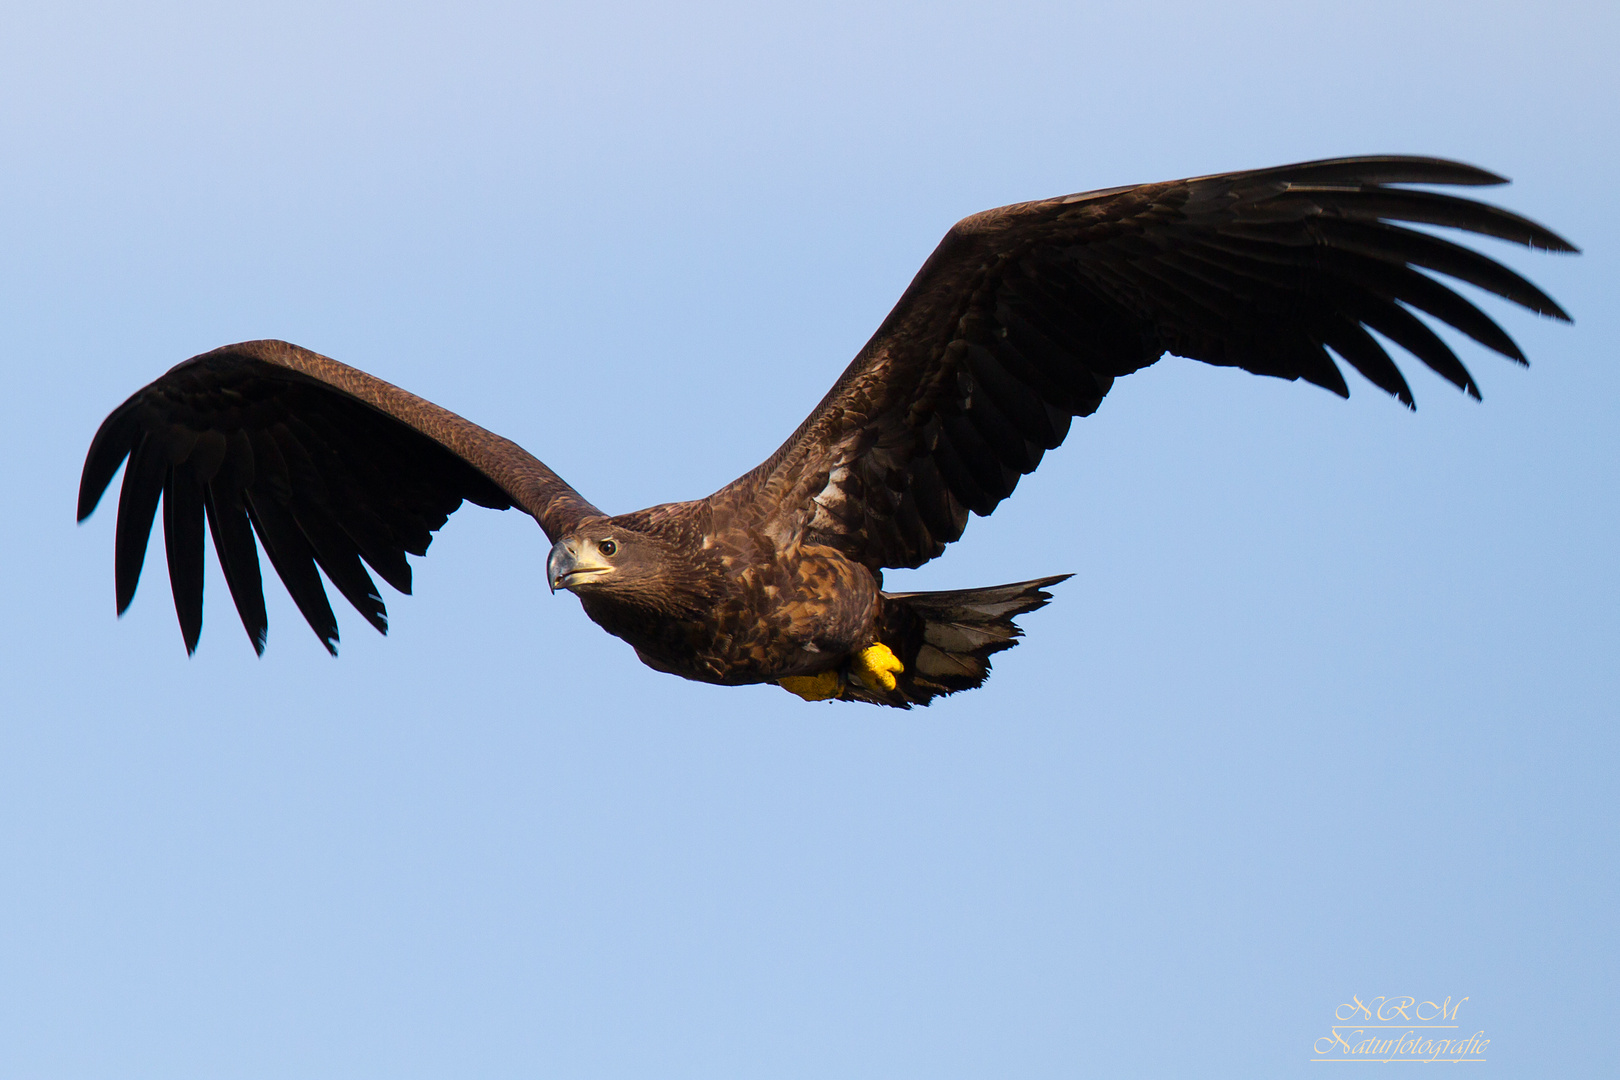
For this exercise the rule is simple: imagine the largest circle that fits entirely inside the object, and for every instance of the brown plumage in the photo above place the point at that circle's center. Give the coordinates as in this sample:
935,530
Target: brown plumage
1021,319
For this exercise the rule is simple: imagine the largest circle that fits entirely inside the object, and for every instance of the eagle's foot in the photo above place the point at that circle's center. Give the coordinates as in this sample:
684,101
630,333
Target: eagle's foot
875,667
828,684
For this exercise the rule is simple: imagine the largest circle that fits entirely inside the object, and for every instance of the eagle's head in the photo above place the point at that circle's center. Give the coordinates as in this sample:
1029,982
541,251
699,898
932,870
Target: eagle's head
607,560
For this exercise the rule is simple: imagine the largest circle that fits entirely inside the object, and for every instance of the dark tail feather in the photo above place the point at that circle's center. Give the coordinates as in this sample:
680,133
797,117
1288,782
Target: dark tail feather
946,639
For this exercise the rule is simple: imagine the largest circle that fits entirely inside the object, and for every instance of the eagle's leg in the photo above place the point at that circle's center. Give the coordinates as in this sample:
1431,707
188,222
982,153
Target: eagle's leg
822,687
875,667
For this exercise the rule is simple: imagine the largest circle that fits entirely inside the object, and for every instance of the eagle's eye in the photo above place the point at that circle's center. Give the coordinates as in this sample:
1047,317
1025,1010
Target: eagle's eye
608,548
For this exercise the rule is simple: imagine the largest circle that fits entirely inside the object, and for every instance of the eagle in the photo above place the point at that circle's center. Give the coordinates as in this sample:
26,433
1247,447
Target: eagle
1021,319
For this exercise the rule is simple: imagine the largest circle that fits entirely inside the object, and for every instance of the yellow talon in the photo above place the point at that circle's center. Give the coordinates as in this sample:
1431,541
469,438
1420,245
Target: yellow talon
813,687
876,666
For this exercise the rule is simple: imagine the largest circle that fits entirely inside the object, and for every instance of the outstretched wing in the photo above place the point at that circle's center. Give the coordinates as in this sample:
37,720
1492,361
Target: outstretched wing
328,465
1023,317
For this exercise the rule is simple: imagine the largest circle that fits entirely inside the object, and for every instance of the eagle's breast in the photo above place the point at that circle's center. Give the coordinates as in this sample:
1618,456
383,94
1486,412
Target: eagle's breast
774,614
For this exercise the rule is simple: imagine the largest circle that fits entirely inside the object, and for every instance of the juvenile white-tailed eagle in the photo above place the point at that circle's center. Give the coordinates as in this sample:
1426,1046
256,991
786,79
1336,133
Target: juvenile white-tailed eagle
1021,319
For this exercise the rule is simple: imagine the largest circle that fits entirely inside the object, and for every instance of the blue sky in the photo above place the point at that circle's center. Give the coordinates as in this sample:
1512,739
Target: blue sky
1329,708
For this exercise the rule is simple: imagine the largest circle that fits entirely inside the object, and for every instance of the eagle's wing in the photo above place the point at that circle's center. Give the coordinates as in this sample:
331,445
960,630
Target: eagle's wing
326,463
1023,317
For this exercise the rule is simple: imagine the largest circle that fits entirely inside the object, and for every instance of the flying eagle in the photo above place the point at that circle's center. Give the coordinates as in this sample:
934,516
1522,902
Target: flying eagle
1020,320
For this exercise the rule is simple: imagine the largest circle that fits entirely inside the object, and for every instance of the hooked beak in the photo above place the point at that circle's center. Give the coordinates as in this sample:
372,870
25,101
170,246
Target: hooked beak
572,563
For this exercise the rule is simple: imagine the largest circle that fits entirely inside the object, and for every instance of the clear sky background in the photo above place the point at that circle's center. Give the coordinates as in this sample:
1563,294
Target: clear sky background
1329,708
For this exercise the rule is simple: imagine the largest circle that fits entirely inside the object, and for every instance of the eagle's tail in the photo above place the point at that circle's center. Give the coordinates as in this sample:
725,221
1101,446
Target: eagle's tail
945,639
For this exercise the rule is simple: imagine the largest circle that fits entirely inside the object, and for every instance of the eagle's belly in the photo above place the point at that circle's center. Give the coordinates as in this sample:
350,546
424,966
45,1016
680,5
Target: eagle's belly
797,616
